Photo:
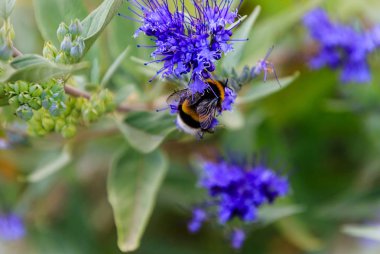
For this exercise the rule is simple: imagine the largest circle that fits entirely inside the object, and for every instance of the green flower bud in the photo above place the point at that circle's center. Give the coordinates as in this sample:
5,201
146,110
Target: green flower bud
61,58
79,103
2,32
76,52
54,109
109,101
61,31
80,42
5,52
12,89
245,75
59,123
11,33
35,90
56,89
74,115
49,51
46,103
35,103
37,117
13,101
24,112
66,43
48,124
75,27
68,131
90,115
23,98
23,86
36,129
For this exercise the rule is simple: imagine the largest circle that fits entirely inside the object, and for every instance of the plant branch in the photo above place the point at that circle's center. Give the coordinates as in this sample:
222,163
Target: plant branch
16,52
75,92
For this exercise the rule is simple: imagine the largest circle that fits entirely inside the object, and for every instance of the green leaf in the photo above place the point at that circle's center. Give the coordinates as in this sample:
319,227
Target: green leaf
232,59
35,68
268,31
264,89
145,131
50,13
6,8
271,214
233,120
3,101
368,232
112,69
133,183
299,234
95,23
121,33
52,167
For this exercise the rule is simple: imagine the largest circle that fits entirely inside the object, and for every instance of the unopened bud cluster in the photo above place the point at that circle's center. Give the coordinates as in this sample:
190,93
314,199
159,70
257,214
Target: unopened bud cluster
6,37
71,47
78,111
27,98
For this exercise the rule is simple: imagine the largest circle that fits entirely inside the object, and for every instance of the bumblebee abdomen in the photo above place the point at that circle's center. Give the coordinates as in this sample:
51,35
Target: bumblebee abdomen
188,115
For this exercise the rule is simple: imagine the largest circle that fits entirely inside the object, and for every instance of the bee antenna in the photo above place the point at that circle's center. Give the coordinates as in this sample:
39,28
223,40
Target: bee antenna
200,135
212,90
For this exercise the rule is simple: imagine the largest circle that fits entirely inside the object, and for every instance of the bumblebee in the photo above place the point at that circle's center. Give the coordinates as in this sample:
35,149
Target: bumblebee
196,112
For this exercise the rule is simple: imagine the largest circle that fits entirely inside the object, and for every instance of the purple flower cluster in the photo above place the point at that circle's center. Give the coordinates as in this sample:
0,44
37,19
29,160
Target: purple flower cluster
11,227
187,42
237,192
342,46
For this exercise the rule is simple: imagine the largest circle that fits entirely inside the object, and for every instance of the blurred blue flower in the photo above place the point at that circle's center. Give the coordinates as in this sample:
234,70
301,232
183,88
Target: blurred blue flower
237,238
237,191
11,227
341,46
229,99
199,216
187,42
4,144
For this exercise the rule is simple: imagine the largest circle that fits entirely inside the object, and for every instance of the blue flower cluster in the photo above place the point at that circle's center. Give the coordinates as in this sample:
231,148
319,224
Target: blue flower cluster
237,192
11,227
187,42
342,46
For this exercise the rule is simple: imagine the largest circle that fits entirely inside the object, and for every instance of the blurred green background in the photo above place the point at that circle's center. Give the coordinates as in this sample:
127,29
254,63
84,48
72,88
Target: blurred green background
325,135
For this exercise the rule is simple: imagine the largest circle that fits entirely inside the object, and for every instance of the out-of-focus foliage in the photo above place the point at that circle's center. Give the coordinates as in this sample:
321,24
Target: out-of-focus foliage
323,134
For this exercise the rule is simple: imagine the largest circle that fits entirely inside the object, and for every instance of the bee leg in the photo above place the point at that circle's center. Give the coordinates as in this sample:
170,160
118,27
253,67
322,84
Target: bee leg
200,135
210,130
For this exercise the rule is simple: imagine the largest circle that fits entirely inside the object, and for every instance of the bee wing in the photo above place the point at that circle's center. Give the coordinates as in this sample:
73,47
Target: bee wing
206,110
178,96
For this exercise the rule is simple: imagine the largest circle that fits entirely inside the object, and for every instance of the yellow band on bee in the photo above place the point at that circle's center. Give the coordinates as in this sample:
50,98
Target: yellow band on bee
218,85
189,111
